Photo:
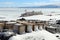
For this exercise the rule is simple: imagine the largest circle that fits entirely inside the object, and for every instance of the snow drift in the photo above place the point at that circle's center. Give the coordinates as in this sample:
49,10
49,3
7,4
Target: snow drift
38,35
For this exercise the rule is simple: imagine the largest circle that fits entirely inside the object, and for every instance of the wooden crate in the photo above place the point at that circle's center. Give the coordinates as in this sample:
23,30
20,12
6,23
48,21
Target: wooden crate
19,28
22,29
9,25
1,26
36,28
29,28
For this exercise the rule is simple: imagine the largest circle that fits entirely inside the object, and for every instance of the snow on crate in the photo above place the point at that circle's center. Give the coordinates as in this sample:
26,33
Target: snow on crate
38,35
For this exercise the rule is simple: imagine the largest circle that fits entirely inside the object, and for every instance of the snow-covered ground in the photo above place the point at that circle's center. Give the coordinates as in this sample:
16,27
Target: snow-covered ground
42,17
57,35
38,35
13,13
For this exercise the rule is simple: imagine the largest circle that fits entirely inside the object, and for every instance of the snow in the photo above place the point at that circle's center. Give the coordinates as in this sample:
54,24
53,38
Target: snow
37,17
2,18
37,35
10,18
7,18
8,33
42,17
57,34
34,17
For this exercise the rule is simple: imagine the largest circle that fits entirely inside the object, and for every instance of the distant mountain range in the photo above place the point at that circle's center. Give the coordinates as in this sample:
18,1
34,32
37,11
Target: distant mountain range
45,6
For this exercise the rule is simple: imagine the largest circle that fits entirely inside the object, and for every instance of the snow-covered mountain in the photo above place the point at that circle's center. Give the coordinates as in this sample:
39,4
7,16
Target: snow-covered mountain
50,6
45,6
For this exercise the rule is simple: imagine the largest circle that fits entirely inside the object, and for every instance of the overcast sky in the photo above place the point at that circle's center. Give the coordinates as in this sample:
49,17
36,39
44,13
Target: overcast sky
23,3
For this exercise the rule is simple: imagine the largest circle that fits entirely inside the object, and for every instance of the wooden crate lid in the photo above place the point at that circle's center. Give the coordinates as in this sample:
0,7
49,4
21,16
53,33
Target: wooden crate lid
10,22
1,24
18,24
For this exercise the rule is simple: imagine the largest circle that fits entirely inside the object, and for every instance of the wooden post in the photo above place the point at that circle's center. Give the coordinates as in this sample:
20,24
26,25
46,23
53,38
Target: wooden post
33,27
